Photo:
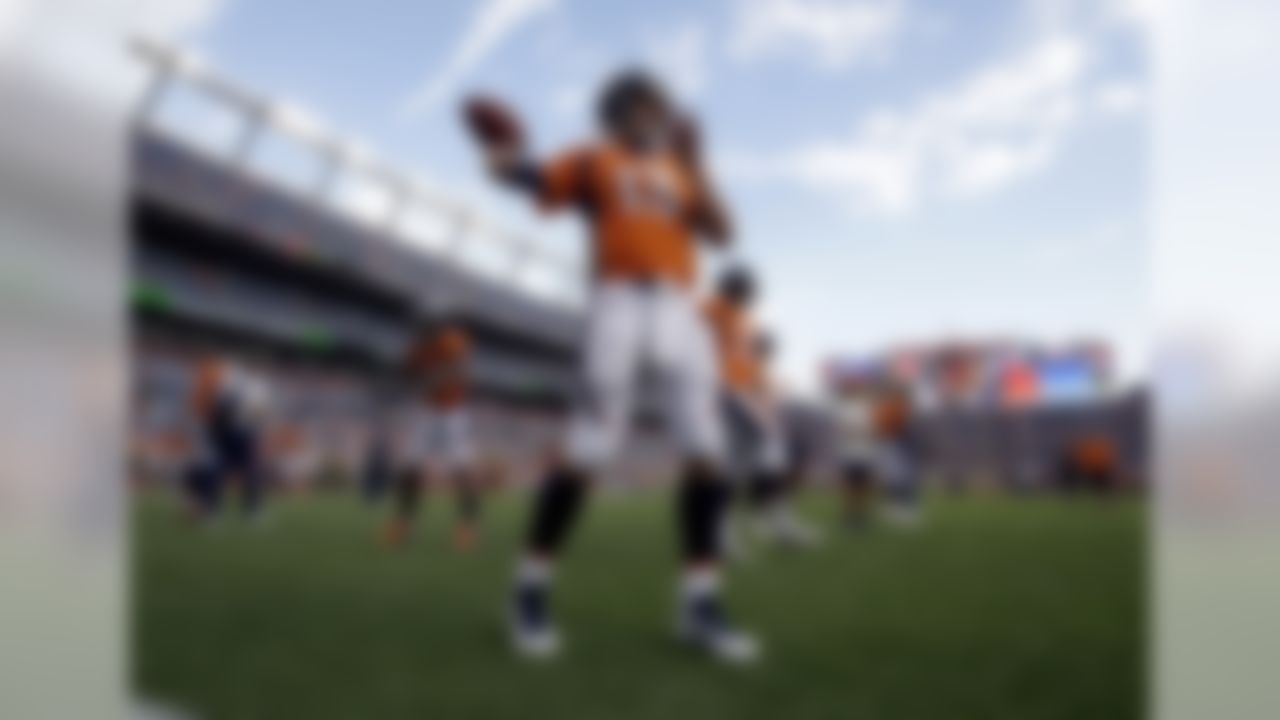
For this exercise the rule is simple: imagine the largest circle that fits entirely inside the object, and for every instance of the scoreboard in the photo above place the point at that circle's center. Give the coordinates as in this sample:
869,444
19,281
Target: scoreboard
992,374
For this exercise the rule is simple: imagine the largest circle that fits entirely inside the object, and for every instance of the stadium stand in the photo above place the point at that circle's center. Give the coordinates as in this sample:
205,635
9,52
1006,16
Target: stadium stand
321,301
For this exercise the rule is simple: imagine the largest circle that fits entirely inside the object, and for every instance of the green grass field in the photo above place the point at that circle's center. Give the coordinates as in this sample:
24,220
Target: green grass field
1020,609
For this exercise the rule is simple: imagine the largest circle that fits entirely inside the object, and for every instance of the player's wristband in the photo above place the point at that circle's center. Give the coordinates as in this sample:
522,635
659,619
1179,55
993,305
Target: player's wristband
527,176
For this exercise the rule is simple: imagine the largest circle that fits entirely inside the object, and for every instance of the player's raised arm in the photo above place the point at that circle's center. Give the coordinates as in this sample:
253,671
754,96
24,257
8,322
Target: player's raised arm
498,131
708,215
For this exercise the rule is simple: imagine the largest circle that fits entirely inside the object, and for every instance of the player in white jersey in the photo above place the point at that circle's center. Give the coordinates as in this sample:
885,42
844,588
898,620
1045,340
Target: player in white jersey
854,412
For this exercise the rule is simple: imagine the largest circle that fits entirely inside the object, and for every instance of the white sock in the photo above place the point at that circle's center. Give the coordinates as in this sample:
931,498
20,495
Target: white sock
700,582
534,571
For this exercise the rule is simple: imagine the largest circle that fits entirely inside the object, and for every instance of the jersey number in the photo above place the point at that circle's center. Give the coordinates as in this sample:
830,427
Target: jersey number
649,189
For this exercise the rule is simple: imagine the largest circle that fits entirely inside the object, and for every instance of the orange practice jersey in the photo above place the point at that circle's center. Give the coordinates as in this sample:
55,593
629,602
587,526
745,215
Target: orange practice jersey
441,359
639,207
740,367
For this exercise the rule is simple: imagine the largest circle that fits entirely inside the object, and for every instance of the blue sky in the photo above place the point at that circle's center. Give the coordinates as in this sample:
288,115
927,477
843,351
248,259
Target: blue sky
901,169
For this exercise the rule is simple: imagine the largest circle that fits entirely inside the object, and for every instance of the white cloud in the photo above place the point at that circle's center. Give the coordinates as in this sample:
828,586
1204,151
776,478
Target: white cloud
175,19
493,24
1119,98
1001,124
680,57
881,168
1141,12
832,34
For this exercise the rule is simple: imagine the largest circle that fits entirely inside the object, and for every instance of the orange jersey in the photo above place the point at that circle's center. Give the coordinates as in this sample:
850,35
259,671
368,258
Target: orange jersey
441,359
1095,453
740,367
205,387
892,415
639,206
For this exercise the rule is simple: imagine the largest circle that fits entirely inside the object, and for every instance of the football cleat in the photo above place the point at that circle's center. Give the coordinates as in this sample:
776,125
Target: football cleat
703,624
533,635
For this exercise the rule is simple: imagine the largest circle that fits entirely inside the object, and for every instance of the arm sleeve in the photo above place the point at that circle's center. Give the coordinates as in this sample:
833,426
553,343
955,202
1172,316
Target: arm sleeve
526,175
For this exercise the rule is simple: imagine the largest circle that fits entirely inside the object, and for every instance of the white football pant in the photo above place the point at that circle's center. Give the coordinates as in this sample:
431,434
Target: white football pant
630,327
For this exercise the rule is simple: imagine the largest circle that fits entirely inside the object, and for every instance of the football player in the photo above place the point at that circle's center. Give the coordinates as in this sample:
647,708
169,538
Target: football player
439,431
898,462
648,198
857,447
229,406
753,415
1091,462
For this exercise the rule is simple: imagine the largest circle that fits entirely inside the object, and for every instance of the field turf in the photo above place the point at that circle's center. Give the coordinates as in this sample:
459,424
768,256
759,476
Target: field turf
1030,609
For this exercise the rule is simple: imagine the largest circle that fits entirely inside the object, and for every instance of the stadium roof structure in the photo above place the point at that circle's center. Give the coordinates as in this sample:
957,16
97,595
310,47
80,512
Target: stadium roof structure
387,199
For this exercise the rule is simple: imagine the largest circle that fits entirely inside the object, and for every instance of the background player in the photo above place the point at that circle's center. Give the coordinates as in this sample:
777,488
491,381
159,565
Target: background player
647,197
854,414
898,463
752,411
229,406
438,432
796,440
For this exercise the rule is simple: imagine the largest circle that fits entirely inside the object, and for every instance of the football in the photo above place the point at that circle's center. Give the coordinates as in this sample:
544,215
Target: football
492,122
